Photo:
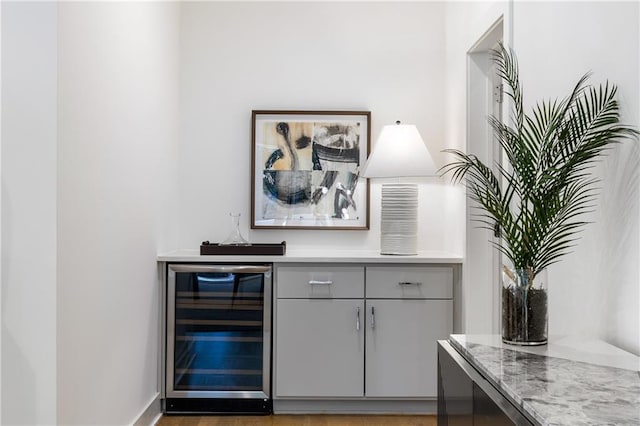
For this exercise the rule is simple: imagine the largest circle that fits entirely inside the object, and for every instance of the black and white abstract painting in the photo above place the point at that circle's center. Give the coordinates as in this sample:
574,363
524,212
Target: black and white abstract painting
306,169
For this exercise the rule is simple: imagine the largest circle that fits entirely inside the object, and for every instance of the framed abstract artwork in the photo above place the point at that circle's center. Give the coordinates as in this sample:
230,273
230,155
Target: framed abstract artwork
306,169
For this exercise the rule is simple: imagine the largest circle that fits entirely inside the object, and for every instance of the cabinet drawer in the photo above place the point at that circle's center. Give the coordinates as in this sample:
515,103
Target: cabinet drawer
329,282
410,282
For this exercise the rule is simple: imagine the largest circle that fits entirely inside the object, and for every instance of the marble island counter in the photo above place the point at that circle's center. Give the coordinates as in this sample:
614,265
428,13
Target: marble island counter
570,381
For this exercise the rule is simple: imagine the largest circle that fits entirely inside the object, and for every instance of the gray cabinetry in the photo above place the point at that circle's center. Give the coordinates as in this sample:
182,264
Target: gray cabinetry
320,336
360,331
320,348
401,350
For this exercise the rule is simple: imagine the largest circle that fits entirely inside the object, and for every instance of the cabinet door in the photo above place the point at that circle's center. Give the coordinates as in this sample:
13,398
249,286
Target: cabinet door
401,357
319,348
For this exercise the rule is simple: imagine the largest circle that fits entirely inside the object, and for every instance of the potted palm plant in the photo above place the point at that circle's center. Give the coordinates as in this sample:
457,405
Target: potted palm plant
537,199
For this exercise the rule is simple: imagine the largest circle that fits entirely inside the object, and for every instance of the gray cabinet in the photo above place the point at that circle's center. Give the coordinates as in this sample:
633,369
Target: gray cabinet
360,330
401,355
320,336
320,348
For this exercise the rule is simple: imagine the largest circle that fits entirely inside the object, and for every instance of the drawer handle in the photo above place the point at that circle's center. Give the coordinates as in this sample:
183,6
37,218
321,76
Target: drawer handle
358,318
316,282
410,283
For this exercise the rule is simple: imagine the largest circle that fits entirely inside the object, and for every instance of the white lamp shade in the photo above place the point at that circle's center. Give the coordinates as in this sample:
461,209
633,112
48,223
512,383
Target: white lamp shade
399,152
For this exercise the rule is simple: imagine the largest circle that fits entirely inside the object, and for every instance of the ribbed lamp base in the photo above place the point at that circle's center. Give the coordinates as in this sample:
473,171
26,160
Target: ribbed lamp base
399,219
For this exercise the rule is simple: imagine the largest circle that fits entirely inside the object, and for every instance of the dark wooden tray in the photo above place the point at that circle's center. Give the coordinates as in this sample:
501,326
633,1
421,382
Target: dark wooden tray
271,249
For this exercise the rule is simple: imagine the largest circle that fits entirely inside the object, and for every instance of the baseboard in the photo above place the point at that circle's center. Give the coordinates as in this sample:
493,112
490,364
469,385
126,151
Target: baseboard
371,406
151,414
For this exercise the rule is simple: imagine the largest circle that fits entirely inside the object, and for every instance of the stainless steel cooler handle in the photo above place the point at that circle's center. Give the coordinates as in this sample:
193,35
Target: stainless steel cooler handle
238,269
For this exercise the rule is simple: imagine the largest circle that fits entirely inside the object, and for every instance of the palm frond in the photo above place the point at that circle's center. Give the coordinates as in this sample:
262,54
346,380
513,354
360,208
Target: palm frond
539,201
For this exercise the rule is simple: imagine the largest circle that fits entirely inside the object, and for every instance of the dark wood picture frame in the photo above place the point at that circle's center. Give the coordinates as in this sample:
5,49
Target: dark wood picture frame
305,169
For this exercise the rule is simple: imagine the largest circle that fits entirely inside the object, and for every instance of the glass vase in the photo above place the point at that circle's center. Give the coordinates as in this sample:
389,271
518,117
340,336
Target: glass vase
524,307
235,238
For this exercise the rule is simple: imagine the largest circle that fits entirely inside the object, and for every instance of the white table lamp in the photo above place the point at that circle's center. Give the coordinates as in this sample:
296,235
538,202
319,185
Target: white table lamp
399,152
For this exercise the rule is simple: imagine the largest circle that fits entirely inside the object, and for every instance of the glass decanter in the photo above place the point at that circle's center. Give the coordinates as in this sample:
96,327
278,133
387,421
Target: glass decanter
235,238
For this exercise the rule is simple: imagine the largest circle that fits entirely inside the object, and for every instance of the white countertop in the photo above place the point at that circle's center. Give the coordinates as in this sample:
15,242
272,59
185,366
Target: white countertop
315,256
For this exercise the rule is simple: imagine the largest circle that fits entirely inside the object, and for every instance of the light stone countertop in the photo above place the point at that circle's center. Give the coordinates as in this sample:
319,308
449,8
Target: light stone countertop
570,381
301,255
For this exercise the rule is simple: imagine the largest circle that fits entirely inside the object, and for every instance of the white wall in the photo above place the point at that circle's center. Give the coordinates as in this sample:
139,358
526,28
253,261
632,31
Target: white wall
594,291
118,111
28,213
384,57
0,215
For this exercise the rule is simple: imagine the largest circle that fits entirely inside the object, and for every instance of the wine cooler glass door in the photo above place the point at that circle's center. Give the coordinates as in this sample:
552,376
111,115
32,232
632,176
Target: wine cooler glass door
218,331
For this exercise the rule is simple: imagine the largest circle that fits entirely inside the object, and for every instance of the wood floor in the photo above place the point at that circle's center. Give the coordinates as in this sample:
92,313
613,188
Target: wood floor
299,420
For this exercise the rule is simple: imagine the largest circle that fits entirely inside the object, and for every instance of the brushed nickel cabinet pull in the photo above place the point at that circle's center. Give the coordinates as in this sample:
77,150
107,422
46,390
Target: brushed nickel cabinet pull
373,318
316,282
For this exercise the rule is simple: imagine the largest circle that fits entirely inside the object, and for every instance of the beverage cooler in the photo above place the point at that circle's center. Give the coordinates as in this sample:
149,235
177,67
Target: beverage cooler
218,339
